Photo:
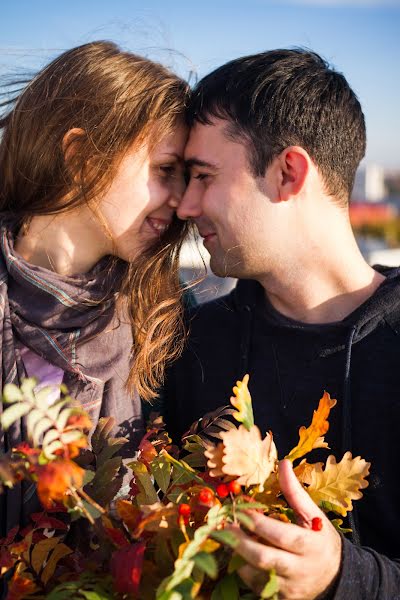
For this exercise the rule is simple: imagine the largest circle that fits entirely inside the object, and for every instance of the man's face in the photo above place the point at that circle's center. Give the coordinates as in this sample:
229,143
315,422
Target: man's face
231,208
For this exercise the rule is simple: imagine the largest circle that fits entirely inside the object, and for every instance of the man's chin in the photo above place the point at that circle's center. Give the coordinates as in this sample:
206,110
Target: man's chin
221,268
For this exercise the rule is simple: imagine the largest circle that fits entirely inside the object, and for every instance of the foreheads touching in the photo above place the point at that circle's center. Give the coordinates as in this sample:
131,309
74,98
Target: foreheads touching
283,98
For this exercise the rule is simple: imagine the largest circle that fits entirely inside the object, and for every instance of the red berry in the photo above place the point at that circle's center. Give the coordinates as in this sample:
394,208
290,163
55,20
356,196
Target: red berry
206,496
234,487
183,519
184,510
222,490
316,524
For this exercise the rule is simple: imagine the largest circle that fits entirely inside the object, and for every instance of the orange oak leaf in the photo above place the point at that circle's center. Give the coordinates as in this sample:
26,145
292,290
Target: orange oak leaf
56,478
313,436
244,455
242,402
335,487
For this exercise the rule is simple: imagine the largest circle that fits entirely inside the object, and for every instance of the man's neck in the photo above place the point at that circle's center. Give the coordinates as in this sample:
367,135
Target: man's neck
324,291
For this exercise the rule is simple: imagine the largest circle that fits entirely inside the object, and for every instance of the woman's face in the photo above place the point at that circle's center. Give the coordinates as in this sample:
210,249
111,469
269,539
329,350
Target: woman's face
140,203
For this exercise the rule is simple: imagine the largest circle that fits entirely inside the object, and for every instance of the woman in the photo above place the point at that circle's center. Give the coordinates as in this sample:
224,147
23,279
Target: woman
90,174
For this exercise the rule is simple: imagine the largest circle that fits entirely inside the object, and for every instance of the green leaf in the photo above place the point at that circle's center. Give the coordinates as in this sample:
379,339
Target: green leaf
11,393
42,426
271,588
27,388
92,510
161,470
88,476
53,411
63,418
207,563
251,506
225,537
106,483
196,459
148,494
101,433
182,472
71,436
42,398
245,520
32,420
235,563
337,523
226,589
111,447
49,437
50,449
14,413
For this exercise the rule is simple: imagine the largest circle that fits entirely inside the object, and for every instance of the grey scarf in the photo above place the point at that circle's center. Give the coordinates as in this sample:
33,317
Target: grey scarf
72,323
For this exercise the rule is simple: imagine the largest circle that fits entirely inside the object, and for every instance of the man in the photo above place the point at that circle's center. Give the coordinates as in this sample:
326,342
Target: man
275,142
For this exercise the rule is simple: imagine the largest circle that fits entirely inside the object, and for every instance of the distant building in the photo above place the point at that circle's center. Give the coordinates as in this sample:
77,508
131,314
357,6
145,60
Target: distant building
369,184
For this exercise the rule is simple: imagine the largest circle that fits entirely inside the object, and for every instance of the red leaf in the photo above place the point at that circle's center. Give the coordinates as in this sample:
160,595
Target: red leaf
20,588
43,521
126,568
10,536
6,561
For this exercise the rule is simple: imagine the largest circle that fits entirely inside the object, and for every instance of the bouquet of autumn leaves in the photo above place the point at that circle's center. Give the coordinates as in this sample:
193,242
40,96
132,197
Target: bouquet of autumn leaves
164,536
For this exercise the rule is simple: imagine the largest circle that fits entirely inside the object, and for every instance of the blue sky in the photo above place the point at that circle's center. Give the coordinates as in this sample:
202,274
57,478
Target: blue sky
360,37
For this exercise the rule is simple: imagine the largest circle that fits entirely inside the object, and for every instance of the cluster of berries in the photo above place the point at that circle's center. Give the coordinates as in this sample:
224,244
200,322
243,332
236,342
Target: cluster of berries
206,497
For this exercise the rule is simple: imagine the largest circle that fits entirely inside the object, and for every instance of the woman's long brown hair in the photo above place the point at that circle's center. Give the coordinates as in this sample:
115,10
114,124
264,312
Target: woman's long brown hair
112,99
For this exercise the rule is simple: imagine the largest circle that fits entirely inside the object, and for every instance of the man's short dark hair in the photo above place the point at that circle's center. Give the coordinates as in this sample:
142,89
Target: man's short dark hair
281,98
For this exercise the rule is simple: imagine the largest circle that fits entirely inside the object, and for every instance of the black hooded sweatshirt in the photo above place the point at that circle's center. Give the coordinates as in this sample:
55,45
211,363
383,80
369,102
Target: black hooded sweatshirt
356,360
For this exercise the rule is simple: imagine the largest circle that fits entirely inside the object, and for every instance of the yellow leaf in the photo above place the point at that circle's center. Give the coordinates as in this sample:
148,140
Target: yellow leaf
304,469
58,553
339,484
244,455
242,402
40,552
312,437
209,546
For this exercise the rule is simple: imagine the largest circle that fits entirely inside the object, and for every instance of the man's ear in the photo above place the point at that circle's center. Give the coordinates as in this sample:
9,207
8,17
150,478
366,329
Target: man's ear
294,166
70,145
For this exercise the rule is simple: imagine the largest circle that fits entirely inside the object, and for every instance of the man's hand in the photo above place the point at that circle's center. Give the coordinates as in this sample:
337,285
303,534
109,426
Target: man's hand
306,561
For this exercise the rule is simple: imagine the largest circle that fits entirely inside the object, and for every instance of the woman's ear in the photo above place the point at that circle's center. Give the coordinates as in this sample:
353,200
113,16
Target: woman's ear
294,165
70,143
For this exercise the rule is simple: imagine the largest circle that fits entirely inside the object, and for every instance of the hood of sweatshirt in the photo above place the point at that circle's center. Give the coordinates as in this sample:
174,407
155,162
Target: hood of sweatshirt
384,304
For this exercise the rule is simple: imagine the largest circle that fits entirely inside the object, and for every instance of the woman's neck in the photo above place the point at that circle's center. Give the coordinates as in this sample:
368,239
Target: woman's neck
68,243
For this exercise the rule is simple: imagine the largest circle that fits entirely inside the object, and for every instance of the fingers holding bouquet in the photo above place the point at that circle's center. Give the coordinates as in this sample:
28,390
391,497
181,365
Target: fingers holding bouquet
305,556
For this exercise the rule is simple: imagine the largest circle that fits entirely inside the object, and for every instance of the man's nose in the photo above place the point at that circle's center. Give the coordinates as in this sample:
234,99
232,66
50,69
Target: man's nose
189,207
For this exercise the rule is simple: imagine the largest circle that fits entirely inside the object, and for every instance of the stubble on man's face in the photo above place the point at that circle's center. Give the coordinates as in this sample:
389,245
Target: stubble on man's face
229,199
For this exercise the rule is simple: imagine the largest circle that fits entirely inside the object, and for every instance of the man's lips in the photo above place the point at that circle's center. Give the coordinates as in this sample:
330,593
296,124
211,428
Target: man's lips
207,235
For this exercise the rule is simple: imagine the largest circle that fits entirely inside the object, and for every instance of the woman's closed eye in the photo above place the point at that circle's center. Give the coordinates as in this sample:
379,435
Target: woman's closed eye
168,170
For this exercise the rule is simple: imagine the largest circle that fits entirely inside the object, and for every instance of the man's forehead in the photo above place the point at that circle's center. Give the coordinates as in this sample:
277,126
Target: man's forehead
206,142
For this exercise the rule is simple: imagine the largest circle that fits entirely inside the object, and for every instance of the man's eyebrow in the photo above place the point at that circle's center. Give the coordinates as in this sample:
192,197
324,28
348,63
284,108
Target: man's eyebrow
197,162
